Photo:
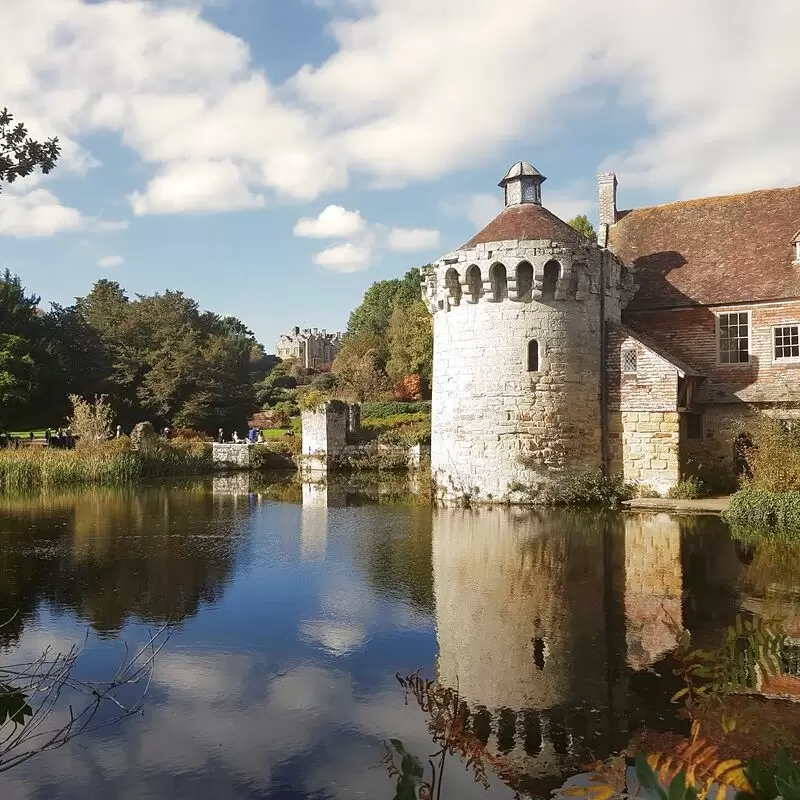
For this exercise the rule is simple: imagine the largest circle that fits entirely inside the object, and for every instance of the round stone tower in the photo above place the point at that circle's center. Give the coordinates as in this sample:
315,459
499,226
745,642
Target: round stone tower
519,317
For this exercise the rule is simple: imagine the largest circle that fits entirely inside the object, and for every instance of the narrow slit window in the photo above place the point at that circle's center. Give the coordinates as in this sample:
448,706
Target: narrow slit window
533,356
787,342
734,338
629,361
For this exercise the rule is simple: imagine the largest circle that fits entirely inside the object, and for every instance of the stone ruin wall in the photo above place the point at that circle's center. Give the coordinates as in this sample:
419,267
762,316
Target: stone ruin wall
493,422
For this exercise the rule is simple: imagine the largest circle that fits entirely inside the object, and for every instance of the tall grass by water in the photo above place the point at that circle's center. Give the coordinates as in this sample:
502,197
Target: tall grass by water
109,463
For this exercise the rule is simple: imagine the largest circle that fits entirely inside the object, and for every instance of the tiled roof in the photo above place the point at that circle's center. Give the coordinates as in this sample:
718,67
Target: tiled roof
731,249
526,221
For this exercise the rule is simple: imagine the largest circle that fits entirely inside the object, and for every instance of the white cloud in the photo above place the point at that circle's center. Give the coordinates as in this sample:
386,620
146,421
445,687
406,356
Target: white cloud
37,213
107,262
348,257
411,240
333,222
187,99
196,186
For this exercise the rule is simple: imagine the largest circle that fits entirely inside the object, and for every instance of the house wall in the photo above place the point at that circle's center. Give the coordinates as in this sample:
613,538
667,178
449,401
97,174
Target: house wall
643,431
691,335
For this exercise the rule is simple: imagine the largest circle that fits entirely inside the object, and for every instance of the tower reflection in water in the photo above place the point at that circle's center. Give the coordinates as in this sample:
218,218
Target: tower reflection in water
542,618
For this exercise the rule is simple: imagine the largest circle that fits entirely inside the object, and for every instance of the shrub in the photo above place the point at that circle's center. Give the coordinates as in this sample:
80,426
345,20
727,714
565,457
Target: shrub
188,434
690,488
645,490
586,488
382,410
774,458
270,456
91,420
756,509
310,399
288,407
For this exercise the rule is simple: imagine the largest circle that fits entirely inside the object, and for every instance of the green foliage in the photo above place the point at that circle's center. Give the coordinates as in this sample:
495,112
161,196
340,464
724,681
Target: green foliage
310,399
375,311
410,335
382,410
19,154
582,224
781,779
774,458
750,649
754,509
690,488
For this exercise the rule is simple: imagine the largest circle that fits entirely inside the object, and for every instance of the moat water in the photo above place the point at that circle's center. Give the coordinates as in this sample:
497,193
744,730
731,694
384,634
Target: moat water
294,607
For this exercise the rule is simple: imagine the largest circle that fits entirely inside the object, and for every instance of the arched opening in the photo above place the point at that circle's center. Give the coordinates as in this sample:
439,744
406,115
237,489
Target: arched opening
524,281
499,281
474,282
453,285
533,356
552,272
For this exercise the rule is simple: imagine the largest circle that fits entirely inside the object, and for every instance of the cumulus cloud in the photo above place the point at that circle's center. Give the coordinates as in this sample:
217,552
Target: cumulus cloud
107,262
36,213
412,240
332,222
187,99
346,257
196,186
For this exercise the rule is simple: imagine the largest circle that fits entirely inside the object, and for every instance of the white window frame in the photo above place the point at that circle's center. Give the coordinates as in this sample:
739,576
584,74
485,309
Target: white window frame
721,363
786,359
797,252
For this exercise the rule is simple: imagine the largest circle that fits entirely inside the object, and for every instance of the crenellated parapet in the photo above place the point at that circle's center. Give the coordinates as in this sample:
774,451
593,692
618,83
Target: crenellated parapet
524,272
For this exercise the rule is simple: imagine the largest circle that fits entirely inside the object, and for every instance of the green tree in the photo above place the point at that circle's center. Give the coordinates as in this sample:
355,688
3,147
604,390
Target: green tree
359,370
18,323
16,375
582,224
19,154
375,311
410,337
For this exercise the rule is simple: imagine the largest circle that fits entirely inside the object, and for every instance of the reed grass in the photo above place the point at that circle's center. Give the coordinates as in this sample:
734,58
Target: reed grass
109,464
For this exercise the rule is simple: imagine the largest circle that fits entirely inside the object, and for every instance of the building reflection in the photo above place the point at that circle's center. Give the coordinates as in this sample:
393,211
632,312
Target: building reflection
555,627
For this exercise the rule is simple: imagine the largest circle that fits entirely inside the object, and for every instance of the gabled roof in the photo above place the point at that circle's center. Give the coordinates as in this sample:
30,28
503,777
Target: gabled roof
526,221
731,249
681,366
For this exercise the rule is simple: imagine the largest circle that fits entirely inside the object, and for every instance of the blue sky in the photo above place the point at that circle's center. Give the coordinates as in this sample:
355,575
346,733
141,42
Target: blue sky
204,140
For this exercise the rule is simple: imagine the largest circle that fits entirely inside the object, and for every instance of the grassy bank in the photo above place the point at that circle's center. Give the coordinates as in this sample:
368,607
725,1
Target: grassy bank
111,464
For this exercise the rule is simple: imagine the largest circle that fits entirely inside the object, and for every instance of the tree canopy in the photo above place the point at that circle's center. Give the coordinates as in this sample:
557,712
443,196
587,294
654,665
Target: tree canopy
19,154
158,357
582,224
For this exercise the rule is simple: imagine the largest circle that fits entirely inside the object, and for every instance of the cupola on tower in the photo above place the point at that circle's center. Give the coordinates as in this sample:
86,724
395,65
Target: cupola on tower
519,320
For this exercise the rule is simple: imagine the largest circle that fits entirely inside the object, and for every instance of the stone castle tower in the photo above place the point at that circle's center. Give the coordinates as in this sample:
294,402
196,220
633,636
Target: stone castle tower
519,322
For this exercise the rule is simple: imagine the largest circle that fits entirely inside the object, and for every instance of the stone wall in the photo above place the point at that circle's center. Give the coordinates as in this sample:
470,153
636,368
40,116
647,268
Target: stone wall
644,446
236,456
652,387
324,435
691,335
495,423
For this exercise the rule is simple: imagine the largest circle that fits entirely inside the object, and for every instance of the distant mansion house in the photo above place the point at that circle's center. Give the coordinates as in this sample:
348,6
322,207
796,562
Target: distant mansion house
643,354
311,347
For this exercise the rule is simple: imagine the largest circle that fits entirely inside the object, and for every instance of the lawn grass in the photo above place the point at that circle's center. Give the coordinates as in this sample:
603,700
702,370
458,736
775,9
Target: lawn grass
270,434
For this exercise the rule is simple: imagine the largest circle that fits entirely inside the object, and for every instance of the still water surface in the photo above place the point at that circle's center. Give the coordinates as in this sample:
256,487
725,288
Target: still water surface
294,615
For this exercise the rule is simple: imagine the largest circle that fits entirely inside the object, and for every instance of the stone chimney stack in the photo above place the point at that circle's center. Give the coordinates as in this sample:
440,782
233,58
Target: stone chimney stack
607,196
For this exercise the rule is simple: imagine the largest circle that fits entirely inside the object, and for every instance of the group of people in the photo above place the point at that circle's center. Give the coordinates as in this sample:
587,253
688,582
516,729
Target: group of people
254,436
62,439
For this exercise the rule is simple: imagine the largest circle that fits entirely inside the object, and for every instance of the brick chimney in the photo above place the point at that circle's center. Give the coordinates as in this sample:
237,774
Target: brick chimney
607,196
